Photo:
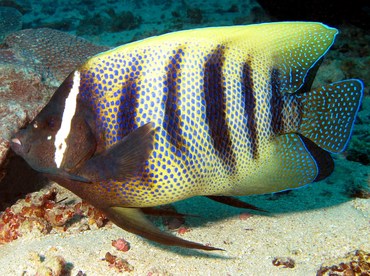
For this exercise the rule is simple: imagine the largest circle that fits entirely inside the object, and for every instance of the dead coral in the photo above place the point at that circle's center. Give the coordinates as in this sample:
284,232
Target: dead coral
284,262
354,264
121,244
359,147
40,212
118,263
359,192
24,6
50,265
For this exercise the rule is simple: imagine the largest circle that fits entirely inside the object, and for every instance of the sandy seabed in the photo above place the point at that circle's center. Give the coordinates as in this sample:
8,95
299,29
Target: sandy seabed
314,225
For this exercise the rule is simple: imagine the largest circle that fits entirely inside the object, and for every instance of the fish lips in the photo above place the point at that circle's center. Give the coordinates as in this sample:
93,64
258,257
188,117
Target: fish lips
19,145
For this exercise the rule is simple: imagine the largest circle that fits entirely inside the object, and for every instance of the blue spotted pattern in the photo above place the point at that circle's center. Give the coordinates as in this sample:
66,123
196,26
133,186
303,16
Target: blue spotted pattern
226,116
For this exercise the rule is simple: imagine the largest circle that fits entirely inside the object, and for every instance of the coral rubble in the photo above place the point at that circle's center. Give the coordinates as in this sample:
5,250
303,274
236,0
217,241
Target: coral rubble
42,212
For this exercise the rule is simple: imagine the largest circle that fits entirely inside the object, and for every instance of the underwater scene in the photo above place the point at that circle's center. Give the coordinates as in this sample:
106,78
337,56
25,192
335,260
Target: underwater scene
184,137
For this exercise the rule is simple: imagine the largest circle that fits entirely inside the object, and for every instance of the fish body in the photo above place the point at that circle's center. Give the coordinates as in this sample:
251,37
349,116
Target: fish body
214,112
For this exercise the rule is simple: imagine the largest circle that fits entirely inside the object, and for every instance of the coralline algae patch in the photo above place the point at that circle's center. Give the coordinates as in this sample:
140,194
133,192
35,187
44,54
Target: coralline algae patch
45,212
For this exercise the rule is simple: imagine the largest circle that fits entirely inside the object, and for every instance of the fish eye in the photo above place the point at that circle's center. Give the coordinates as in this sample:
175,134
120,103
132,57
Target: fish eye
52,122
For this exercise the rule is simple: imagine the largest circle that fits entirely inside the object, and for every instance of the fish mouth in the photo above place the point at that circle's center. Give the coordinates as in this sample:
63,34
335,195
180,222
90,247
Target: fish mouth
18,147
16,141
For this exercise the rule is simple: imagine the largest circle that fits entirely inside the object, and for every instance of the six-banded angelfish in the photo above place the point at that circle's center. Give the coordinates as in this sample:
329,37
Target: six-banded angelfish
214,112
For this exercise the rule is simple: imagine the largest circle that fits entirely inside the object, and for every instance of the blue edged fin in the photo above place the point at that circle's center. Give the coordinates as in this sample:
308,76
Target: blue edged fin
292,165
298,56
322,158
300,161
294,162
328,114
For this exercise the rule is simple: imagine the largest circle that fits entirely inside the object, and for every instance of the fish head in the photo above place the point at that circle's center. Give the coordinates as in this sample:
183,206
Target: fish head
60,137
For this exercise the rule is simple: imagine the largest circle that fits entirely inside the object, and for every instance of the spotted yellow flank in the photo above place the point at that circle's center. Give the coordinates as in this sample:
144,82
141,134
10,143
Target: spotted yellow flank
209,93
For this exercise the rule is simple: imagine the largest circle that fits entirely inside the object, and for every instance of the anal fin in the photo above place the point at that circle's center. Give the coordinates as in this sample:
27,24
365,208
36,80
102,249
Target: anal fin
294,165
324,162
290,165
134,221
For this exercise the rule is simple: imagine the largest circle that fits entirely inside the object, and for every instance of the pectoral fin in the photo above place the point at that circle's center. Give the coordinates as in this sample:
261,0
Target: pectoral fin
62,174
134,221
123,159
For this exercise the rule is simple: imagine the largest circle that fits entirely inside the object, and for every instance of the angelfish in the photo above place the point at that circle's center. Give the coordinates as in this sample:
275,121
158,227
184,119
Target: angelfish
216,112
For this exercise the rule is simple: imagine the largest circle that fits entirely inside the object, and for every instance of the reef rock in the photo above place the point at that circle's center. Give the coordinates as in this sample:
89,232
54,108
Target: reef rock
32,64
10,21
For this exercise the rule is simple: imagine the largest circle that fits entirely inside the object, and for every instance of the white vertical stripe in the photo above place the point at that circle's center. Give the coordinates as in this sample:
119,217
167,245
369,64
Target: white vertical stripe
68,113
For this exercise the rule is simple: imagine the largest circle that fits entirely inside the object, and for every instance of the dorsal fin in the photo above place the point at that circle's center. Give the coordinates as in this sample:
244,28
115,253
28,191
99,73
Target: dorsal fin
310,77
298,52
292,48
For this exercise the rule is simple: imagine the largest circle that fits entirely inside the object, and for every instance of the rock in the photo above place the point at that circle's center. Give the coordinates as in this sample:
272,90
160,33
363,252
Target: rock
24,6
10,21
32,65
22,95
50,53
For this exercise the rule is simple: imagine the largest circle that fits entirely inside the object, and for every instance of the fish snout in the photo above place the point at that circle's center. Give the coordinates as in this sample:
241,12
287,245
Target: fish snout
19,145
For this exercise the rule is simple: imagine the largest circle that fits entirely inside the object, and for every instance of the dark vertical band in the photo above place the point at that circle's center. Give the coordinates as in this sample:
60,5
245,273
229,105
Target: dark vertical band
128,107
276,103
129,100
215,100
250,107
171,100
